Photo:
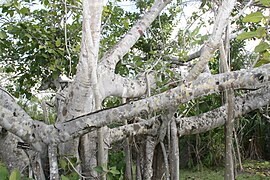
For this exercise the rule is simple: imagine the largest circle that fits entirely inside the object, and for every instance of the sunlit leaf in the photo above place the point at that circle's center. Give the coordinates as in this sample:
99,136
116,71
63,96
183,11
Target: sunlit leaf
247,35
58,42
51,51
3,35
195,31
28,35
15,175
260,32
41,47
261,47
64,177
24,11
262,62
253,17
265,59
126,23
114,171
265,2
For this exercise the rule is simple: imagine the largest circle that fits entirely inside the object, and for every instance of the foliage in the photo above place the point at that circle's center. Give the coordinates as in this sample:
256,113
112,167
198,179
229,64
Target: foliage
67,168
257,24
117,163
32,42
3,172
255,139
14,175
111,172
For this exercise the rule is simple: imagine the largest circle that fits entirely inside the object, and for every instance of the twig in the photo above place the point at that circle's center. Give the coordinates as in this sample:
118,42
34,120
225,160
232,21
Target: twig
66,43
165,160
82,176
267,118
242,11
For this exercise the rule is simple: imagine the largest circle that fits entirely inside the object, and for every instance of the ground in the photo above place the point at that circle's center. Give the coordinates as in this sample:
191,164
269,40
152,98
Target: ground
252,170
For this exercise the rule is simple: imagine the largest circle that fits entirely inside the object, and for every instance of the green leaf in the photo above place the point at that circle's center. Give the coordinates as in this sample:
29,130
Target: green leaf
3,35
58,42
114,171
9,28
110,176
247,35
78,47
64,177
73,176
41,47
15,175
266,55
24,11
261,47
265,2
63,164
265,59
260,32
28,35
126,24
3,172
99,169
195,31
105,9
253,17
44,55
46,2
51,51
262,62
55,75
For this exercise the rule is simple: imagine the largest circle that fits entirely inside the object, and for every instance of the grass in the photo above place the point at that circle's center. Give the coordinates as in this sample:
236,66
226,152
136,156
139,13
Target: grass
252,170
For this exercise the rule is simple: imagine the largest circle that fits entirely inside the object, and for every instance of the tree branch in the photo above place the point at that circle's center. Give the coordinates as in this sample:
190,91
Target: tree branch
210,46
110,59
35,131
197,54
217,117
148,127
253,79
197,124
117,85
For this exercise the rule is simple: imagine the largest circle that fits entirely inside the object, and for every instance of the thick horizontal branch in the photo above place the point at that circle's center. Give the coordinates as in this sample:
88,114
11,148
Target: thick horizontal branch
145,127
110,59
254,78
22,125
197,124
215,118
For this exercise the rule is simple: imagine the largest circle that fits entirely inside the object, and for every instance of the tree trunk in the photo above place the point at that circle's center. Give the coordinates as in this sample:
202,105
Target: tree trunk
159,169
12,156
174,154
